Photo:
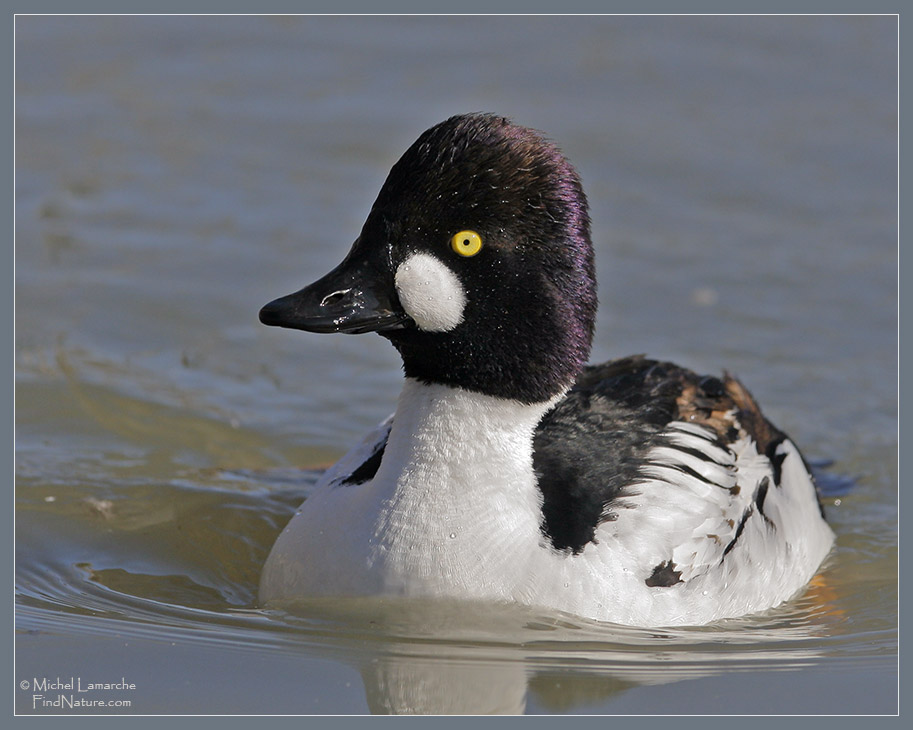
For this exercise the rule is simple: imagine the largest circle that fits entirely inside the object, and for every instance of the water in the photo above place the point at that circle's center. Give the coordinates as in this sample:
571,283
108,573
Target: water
175,173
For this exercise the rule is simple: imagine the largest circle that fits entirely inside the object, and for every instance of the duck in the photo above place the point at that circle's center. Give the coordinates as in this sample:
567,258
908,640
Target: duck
634,492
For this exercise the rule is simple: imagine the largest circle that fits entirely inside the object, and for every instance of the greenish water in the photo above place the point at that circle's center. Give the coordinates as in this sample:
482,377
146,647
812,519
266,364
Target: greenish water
174,173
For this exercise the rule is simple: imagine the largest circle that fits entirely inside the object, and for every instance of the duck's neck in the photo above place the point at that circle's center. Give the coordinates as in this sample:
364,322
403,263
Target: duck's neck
457,486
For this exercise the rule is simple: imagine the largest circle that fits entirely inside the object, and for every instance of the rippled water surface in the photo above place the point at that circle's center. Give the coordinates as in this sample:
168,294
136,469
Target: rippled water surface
175,173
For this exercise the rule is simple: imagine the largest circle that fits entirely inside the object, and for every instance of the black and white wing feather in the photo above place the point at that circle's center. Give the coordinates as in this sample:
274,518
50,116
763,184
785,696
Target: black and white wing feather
680,470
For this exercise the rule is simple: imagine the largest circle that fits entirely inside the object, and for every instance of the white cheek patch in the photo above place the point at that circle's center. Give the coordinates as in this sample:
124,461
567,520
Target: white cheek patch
430,293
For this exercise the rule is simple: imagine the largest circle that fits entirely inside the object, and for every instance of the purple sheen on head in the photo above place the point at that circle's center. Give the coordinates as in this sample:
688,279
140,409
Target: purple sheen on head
514,185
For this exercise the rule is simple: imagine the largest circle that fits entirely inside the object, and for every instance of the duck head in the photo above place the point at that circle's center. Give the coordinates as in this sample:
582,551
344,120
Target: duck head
475,262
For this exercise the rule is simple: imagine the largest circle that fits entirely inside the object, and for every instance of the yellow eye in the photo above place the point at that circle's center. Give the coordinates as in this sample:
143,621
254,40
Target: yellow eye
466,243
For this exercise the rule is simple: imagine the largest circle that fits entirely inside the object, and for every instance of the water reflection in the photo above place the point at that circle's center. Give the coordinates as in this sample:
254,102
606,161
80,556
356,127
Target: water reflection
427,657
430,657
428,686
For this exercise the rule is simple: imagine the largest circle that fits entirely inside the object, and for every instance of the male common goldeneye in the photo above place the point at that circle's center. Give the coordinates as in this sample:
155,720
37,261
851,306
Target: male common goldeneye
635,491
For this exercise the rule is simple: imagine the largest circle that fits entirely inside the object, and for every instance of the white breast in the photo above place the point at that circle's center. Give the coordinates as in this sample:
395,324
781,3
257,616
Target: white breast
452,511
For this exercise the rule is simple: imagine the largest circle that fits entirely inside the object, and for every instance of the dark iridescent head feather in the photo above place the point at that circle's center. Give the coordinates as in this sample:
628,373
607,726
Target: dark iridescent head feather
531,291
